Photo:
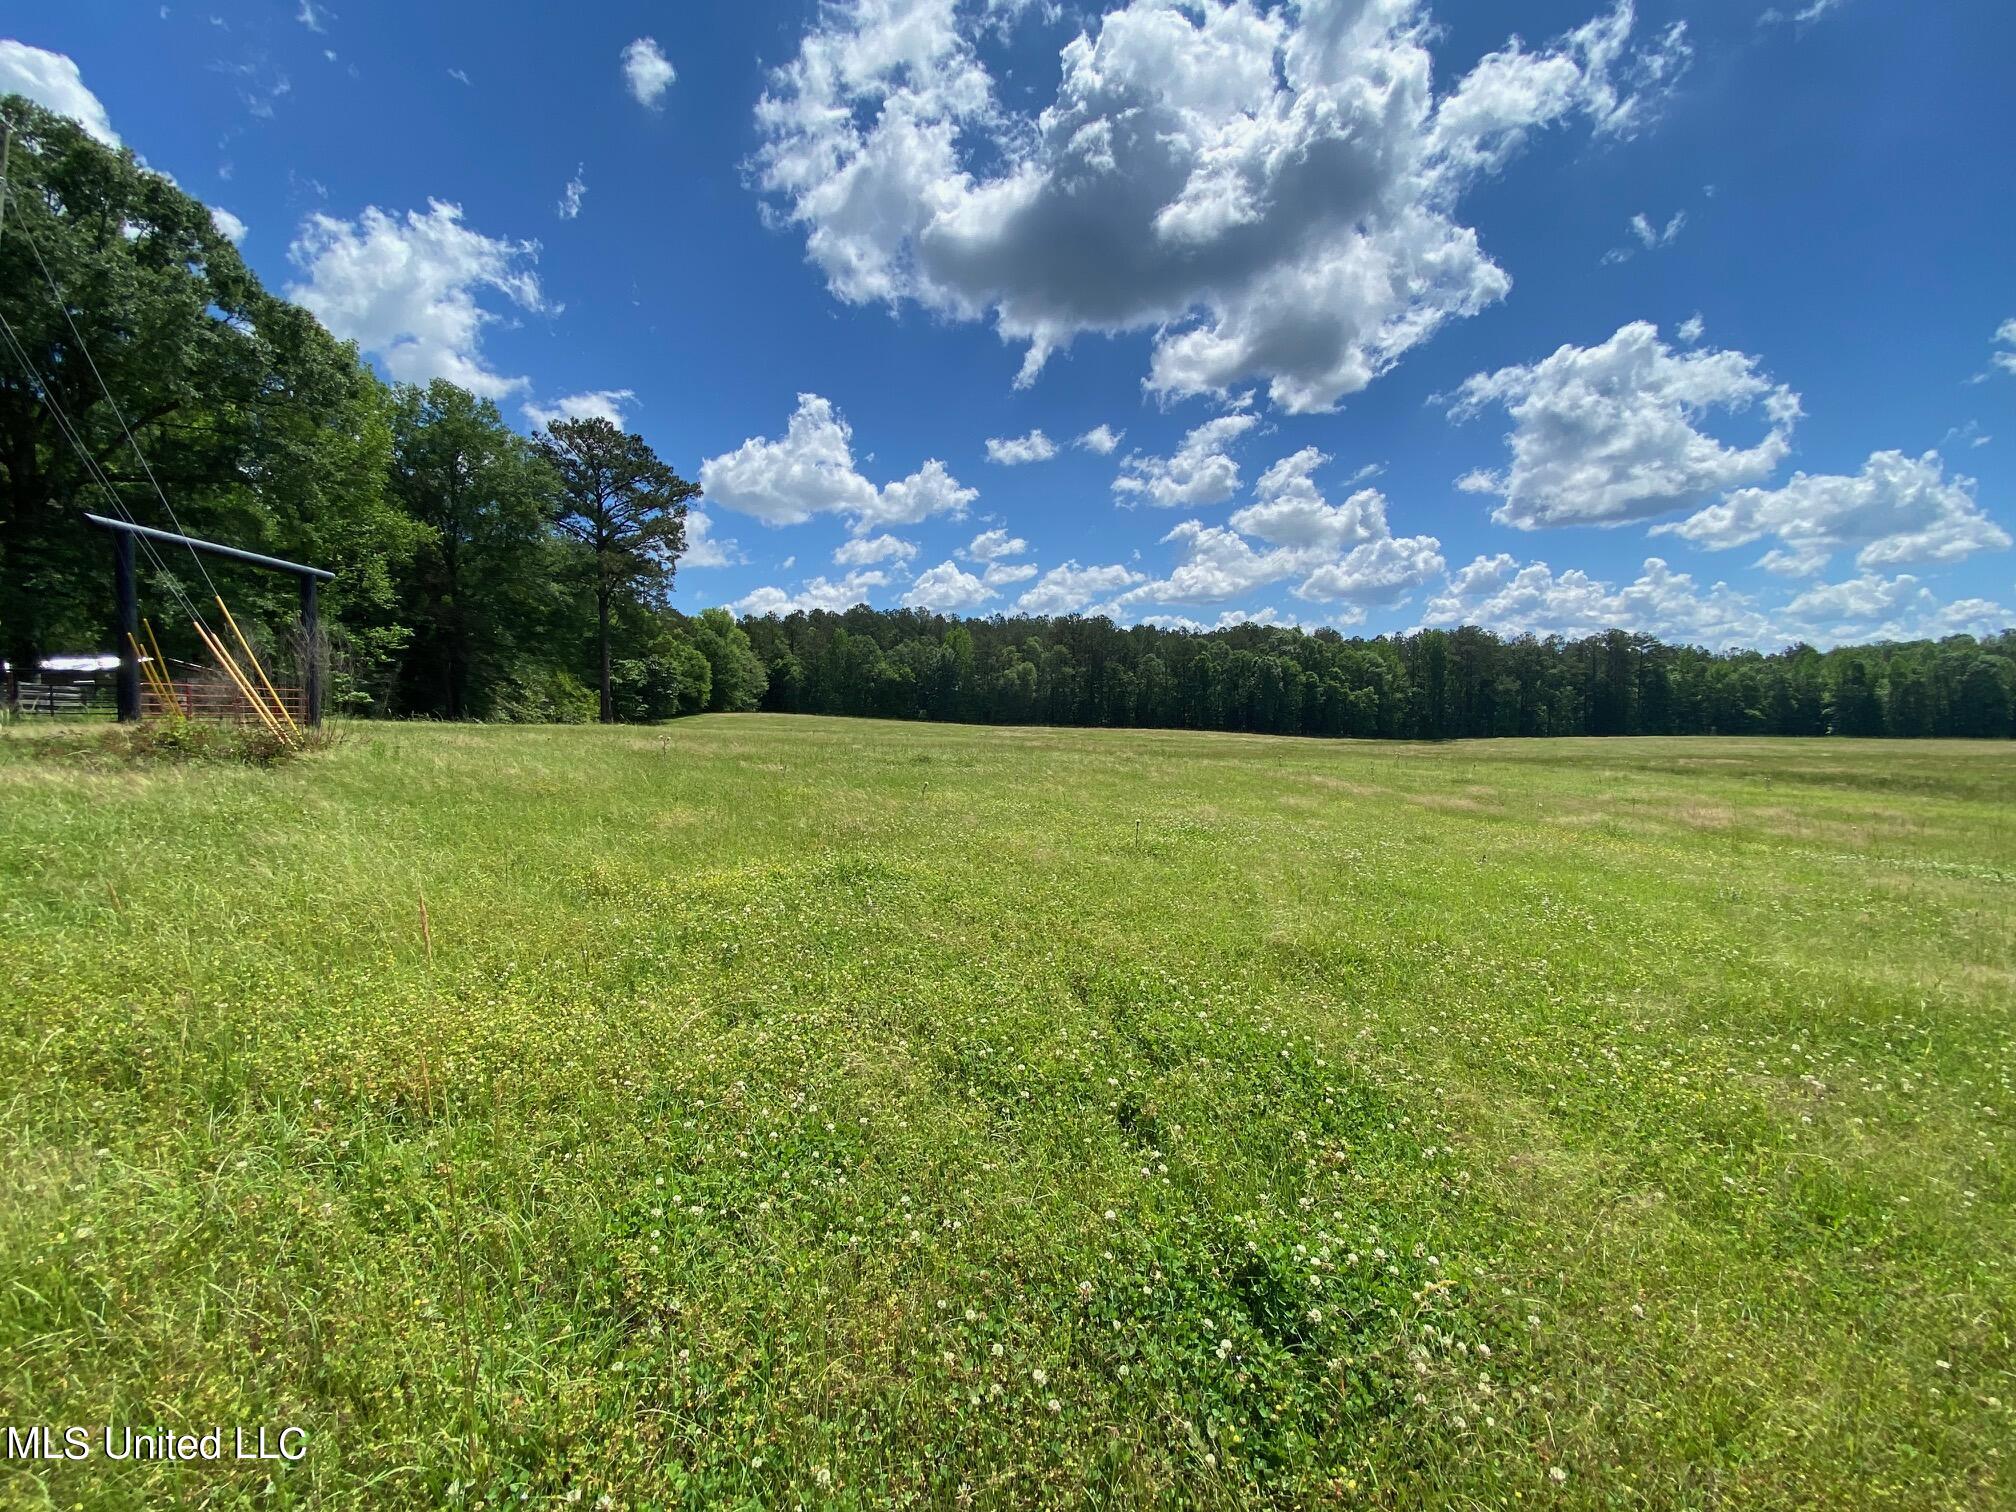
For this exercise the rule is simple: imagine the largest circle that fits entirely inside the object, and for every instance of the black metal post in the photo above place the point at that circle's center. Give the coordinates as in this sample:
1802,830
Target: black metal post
311,636
126,599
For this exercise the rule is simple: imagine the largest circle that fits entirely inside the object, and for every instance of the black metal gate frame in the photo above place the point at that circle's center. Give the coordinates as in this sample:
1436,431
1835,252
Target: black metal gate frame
126,598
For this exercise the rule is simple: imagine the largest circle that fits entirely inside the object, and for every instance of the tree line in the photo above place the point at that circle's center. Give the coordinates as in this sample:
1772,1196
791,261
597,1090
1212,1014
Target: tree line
487,575
1429,685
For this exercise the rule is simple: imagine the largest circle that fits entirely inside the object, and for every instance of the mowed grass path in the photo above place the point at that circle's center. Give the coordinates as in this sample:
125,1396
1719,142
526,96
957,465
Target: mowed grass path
800,1111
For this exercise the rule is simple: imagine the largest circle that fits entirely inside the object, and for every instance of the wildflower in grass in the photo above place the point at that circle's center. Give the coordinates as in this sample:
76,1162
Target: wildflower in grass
1038,1376
1055,1406
1557,1475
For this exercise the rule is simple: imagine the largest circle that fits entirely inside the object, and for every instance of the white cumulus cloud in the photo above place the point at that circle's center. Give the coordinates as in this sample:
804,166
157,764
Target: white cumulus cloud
865,551
1611,434
1272,192
992,545
1873,608
1102,440
647,71
814,593
1201,471
1072,588
1897,510
228,225
1499,593
702,549
404,289
53,81
1012,451
947,588
604,404
811,472
1337,553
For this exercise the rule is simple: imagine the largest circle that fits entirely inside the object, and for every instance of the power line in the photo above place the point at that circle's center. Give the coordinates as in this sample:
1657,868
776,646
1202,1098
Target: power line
118,414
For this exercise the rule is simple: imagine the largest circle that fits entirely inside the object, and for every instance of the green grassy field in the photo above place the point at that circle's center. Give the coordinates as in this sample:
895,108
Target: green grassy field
778,1111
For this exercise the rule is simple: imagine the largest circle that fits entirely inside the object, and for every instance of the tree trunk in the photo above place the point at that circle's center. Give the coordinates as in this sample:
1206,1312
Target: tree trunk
602,617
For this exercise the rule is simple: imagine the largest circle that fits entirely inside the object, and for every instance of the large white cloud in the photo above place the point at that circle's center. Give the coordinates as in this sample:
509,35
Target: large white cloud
1875,608
814,593
947,588
1898,510
865,551
404,289
229,226
992,545
1611,434
1273,192
811,471
931,490
1343,554
1013,451
52,80
1072,588
1201,471
1499,593
702,549
647,72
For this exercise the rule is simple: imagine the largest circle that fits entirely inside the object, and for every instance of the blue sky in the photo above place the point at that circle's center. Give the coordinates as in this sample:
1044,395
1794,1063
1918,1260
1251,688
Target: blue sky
1693,318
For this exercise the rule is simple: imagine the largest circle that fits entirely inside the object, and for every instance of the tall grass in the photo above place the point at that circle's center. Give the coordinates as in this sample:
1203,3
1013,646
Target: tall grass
788,1110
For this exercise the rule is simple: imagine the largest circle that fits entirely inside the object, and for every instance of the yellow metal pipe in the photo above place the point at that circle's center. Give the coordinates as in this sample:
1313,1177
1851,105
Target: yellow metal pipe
161,664
147,669
231,670
252,657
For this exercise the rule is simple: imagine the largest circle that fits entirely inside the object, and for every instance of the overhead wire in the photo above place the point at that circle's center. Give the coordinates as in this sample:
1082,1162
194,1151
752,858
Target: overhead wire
72,432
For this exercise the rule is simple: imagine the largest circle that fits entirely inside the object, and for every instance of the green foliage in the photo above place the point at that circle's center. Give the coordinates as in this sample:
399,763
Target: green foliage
179,741
788,1112
627,510
257,423
1431,685
479,593
537,694
738,679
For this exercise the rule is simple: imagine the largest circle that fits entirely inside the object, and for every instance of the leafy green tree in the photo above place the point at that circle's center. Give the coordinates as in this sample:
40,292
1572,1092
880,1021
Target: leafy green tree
627,508
1985,694
738,679
474,595
258,426
1857,709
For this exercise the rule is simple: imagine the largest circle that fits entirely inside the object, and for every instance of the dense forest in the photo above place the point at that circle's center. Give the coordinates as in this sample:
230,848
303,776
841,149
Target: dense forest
1431,685
484,574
